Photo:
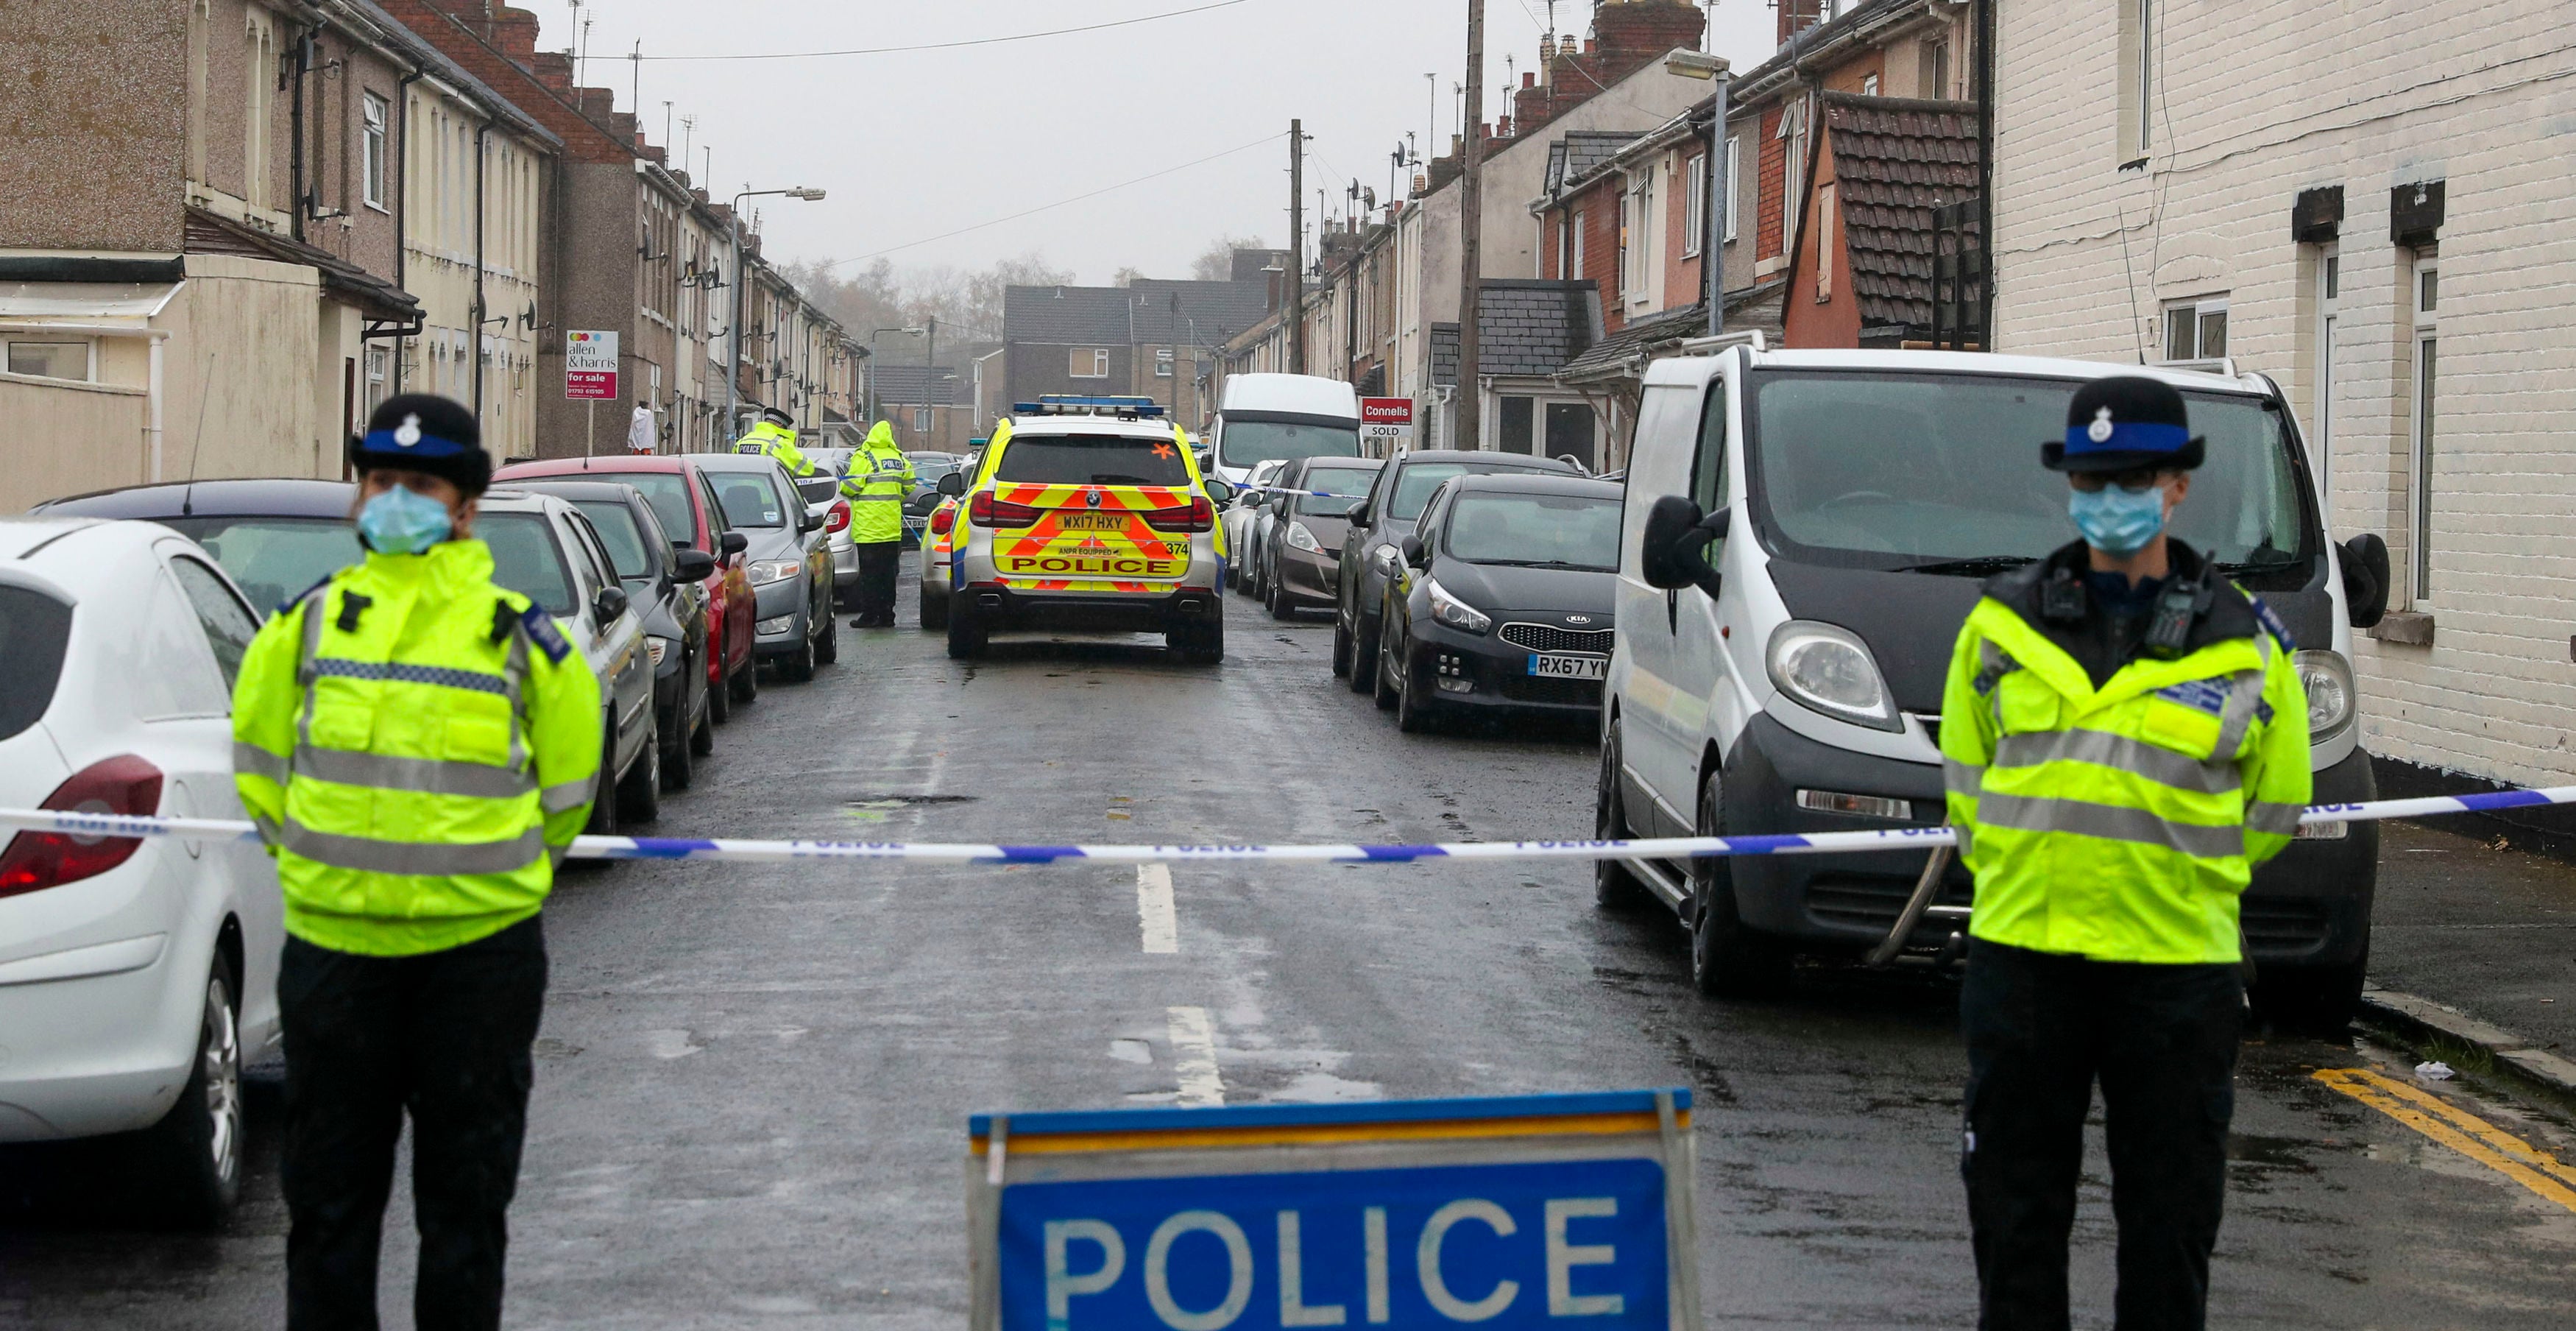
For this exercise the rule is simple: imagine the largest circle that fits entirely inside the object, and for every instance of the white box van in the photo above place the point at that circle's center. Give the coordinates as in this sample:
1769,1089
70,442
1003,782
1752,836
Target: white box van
1862,498
1266,417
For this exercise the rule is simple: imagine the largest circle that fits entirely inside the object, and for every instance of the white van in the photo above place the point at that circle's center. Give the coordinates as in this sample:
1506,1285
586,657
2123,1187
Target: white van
1851,505
1281,417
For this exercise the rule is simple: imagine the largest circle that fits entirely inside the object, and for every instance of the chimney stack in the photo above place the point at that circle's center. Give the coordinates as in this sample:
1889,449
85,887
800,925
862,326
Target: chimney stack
1796,16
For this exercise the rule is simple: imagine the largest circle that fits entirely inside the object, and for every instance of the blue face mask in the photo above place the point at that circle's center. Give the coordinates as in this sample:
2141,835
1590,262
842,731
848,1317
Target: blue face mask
2118,521
402,521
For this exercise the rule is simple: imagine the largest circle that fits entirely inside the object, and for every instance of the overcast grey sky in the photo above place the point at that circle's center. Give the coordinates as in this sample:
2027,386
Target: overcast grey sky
918,144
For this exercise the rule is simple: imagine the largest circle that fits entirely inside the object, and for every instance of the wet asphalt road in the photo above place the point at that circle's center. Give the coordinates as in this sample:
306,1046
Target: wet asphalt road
753,1080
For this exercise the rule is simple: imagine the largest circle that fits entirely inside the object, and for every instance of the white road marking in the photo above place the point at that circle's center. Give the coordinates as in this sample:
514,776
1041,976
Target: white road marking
1154,913
1194,1057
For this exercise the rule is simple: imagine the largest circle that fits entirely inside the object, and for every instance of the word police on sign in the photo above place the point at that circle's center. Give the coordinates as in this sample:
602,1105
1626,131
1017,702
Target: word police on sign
590,365
1386,418
1517,1212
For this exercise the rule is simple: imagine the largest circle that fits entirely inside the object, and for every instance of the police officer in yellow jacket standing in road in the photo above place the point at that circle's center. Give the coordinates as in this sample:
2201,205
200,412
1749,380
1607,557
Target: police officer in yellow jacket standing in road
2126,738
775,437
879,479
417,746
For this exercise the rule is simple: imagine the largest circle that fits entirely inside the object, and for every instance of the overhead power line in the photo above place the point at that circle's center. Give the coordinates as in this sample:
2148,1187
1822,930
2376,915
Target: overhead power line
1044,207
950,46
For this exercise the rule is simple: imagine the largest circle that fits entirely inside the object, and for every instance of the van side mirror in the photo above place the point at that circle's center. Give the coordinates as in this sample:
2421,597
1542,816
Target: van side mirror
1677,534
694,565
733,543
2365,579
952,484
608,605
1416,555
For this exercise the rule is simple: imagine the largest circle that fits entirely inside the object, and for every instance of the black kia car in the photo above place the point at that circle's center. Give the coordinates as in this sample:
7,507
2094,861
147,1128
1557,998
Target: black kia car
1374,539
1501,600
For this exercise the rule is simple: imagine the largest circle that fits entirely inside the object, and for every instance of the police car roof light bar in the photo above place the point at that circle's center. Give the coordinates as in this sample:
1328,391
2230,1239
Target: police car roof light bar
1054,404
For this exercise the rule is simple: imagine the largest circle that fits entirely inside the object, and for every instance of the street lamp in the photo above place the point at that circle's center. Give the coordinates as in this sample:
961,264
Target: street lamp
872,405
1702,65
733,335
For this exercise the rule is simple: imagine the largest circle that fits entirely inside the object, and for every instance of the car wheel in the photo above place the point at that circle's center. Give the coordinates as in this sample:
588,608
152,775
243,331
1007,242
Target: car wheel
639,795
829,649
1341,647
1197,641
967,636
1281,606
1728,959
798,668
745,685
1613,886
603,799
1390,652
1415,709
674,759
719,695
1363,652
2311,1000
198,1145
934,612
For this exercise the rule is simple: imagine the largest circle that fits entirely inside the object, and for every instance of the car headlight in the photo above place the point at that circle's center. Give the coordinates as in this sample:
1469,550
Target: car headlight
2327,679
1829,669
766,571
1303,539
1455,613
659,648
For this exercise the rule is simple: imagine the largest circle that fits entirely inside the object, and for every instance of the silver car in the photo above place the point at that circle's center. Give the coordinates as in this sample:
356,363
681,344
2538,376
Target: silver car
789,561
1239,517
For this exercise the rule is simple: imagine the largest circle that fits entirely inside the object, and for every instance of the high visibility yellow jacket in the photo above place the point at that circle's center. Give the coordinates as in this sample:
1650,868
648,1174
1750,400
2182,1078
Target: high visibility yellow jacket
779,442
877,483
413,741
2121,823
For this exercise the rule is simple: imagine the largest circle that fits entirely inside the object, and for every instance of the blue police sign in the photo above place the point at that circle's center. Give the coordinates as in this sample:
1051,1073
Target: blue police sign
1525,1211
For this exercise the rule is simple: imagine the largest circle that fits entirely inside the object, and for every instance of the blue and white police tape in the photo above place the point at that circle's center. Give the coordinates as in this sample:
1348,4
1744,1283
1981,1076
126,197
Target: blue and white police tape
1284,490
102,825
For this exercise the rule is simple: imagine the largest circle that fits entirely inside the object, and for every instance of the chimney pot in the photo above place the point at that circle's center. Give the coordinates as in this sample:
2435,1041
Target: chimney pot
1529,78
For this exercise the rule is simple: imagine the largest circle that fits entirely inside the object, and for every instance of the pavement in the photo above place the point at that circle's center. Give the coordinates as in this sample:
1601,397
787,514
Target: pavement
2473,946
753,1080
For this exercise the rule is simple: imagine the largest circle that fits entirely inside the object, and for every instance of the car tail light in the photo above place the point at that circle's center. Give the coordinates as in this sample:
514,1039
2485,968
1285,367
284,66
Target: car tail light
124,784
943,521
986,511
839,521
1198,516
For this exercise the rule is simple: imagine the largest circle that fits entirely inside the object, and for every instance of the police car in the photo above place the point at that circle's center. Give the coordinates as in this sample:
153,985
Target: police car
1088,513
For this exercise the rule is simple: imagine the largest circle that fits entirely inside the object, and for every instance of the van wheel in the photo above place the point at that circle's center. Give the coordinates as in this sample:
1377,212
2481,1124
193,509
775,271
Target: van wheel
1613,886
198,1145
639,795
967,636
2311,1000
1728,959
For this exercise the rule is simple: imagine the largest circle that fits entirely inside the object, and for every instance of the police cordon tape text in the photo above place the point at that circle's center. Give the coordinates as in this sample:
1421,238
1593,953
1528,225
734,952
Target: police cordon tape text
102,825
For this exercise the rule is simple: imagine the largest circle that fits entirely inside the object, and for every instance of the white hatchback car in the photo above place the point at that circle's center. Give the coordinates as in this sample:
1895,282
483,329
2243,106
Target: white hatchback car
136,976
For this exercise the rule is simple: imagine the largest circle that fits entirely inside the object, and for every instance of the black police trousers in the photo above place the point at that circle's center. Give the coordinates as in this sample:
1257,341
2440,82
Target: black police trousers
2041,1030
879,561
446,1037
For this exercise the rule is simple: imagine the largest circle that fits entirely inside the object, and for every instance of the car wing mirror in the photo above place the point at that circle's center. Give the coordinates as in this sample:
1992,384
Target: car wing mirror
1673,553
952,484
608,605
2365,579
694,565
733,543
1358,516
1219,492
1416,554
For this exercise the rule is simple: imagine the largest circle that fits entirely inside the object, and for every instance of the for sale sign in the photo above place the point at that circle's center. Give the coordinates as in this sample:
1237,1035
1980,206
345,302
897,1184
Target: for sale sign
590,365
1386,417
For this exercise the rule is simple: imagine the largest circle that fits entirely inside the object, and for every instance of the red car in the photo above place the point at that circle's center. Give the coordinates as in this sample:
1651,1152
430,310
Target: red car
685,502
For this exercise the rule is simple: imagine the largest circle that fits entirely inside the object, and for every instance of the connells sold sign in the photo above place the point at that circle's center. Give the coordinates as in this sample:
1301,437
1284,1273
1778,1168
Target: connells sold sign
590,365
1386,418
1524,1211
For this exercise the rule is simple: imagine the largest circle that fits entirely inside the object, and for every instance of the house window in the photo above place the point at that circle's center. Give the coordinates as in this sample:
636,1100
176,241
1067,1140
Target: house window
1728,204
1162,362
2329,293
50,360
1569,433
1578,270
1515,428
2137,80
379,362
1088,363
1695,205
2196,329
1825,213
1869,86
921,420
2425,292
1936,68
372,155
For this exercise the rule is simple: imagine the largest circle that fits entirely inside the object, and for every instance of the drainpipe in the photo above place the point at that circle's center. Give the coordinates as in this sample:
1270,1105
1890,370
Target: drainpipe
152,409
1986,174
401,156
479,154
295,132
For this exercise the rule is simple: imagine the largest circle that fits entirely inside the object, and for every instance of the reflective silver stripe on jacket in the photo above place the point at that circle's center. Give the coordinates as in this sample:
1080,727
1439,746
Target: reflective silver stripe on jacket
2103,749
423,776
368,855
1964,778
2244,695
252,760
2028,813
2277,819
568,796
390,672
883,499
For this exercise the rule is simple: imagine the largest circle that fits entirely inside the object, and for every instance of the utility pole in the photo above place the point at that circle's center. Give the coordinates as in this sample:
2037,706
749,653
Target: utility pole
1296,247
1470,427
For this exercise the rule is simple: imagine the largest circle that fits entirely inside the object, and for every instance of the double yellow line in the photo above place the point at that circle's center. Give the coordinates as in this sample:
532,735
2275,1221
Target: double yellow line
2460,1130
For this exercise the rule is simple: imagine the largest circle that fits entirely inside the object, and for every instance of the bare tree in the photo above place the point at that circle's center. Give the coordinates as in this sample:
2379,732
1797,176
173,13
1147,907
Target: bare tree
1127,277
1216,262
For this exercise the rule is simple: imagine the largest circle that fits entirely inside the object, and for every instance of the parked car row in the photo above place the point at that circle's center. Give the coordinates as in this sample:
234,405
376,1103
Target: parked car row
138,977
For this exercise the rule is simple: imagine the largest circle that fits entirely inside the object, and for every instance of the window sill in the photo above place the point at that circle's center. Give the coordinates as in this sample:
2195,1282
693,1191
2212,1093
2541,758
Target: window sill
2137,165
2406,628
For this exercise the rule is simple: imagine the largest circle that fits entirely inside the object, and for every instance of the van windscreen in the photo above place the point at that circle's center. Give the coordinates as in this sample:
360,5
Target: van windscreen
1248,442
1894,470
